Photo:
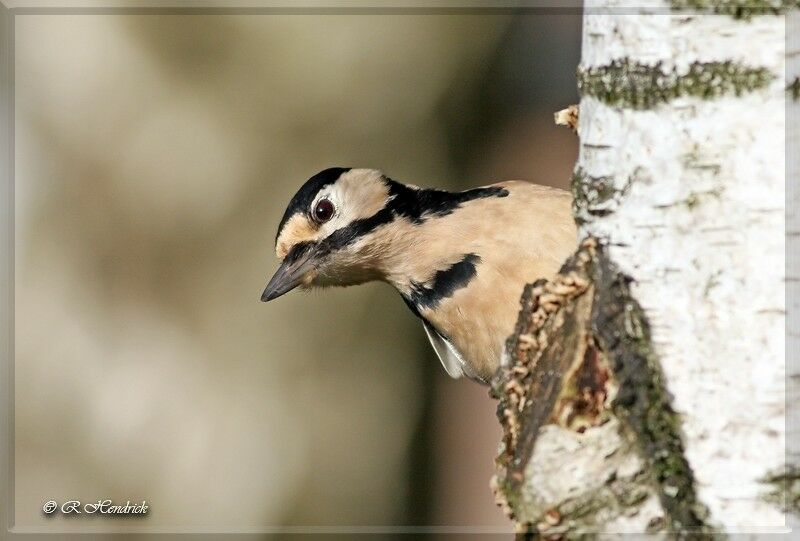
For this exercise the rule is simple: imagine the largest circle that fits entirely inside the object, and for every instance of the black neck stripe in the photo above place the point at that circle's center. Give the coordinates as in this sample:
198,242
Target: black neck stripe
444,283
420,204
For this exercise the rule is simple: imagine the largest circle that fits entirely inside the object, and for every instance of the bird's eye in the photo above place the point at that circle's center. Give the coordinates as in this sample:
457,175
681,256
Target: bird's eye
323,211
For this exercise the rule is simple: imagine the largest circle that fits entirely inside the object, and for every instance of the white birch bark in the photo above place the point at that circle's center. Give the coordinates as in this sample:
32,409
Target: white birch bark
654,364
700,229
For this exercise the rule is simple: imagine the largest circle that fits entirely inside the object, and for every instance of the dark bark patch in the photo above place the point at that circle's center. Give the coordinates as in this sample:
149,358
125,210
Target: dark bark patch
794,88
595,196
785,488
583,401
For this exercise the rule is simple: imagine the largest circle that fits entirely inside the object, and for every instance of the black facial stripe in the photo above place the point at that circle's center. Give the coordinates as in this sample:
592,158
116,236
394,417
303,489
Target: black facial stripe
305,195
444,283
297,251
353,231
342,236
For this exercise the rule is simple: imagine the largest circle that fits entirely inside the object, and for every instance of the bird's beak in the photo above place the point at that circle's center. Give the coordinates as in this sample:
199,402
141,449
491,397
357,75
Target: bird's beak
289,275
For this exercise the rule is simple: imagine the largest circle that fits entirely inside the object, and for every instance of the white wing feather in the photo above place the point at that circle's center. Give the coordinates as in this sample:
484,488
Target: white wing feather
452,361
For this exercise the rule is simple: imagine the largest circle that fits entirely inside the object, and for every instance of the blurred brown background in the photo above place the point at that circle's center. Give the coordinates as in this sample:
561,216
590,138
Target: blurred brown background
154,157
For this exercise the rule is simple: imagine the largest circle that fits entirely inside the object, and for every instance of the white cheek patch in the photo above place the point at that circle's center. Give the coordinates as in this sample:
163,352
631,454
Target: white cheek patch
354,198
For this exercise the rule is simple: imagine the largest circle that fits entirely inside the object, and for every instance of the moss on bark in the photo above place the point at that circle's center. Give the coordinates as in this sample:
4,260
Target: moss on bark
738,9
627,83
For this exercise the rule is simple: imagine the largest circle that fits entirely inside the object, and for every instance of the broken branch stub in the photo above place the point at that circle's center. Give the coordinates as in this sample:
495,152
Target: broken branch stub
567,117
590,443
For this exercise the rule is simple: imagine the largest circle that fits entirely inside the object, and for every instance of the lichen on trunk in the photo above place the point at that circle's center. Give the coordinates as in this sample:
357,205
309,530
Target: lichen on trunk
738,9
625,82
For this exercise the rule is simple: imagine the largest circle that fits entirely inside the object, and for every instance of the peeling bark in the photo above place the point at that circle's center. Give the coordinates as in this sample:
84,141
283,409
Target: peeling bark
568,117
582,385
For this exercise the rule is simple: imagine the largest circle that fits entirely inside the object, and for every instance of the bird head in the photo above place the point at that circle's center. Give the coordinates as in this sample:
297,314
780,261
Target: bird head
323,237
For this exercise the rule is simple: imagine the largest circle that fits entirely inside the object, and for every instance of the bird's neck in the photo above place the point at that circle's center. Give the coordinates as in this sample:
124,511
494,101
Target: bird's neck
399,259
420,241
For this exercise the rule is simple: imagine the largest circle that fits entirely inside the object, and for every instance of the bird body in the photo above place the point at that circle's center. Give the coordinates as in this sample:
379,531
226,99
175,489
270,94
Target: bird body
459,260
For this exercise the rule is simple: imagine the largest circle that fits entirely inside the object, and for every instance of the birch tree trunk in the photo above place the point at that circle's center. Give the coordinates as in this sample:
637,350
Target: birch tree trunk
644,389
